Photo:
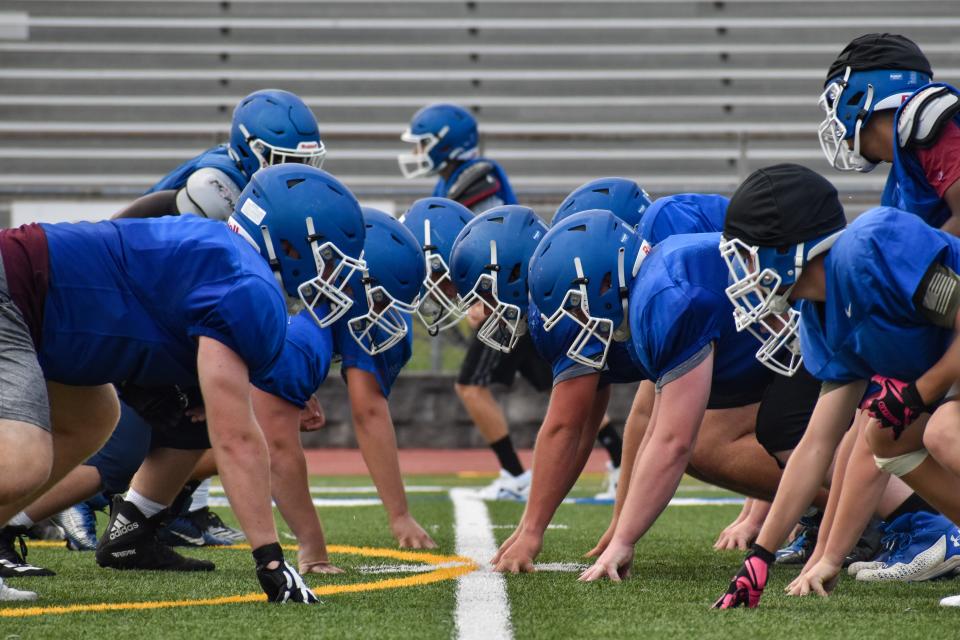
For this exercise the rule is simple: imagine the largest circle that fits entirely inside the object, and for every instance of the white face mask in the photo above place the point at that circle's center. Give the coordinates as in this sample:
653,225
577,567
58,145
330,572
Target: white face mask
505,322
334,270
308,153
833,133
418,163
437,310
384,324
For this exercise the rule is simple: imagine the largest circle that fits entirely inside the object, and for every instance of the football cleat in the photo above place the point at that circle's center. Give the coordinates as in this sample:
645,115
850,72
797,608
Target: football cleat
894,536
930,549
181,531
13,564
9,594
800,549
869,545
79,524
130,542
201,527
46,529
610,483
508,487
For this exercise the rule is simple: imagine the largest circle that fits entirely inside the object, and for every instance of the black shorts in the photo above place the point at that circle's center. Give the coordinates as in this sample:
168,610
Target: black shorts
785,410
484,366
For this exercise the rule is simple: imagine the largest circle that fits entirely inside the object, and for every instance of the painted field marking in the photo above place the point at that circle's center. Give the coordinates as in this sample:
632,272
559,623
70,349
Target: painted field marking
483,610
321,490
441,567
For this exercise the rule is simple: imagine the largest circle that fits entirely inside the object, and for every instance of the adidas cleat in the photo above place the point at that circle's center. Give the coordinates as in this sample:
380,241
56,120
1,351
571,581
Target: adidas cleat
13,564
79,524
130,542
9,594
928,550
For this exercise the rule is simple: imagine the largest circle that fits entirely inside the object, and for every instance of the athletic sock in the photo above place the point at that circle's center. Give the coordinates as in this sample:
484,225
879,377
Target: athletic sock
20,520
507,456
147,507
911,505
201,496
611,441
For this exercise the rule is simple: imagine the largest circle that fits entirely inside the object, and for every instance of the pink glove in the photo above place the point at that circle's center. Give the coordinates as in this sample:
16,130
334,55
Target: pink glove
747,586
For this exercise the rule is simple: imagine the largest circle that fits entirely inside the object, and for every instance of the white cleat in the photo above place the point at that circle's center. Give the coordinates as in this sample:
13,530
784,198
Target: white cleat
508,487
872,565
936,560
950,601
610,484
9,594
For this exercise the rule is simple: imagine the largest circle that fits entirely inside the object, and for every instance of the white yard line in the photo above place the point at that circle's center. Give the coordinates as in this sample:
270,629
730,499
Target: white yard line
483,609
414,488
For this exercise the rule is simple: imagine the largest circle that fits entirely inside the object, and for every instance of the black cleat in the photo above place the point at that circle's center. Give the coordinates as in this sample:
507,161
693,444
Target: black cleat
130,542
13,564
869,545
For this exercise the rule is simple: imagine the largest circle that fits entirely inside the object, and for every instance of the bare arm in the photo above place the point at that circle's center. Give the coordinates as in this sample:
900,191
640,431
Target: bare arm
289,481
152,205
238,443
809,462
952,198
378,445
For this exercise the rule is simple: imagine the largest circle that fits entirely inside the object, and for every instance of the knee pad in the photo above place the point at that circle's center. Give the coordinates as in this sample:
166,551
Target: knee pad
902,464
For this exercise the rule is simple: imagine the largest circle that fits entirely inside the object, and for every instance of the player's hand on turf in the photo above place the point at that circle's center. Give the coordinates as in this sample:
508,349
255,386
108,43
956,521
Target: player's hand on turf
603,542
507,544
312,416
821,579
739,535
278,579
895,403
614,563
322,567
410,535
519,557
747,586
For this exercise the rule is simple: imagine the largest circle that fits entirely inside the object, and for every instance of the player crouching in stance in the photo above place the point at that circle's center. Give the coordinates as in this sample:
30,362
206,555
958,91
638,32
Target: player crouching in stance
160,302
878,299
673,316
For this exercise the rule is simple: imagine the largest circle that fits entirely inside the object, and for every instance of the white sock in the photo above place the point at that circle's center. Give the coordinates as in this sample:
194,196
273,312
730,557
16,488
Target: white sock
147,507
201,497
20,520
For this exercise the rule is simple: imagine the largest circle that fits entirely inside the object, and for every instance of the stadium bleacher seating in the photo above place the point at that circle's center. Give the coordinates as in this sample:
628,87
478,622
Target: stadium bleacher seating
103,96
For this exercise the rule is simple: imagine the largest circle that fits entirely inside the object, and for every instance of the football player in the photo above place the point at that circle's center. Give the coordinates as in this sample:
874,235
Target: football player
881,106
160,302
869,293
446,144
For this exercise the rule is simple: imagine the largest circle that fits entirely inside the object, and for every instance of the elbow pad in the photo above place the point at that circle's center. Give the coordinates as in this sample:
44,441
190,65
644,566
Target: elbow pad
209,193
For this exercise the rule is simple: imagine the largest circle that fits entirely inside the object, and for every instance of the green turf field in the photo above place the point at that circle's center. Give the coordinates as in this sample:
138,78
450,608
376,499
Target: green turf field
677,576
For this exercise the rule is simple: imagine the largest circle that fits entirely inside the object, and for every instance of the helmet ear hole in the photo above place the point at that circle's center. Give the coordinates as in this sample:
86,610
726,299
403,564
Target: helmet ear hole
606,283
514,273
855,98
289,249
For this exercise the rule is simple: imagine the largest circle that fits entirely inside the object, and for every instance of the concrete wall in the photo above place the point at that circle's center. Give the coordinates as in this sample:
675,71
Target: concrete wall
427,413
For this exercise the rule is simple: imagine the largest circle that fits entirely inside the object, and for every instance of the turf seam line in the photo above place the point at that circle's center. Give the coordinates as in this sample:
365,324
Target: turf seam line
483,609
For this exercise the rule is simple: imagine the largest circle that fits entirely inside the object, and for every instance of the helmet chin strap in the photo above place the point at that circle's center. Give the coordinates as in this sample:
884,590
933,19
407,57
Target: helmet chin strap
272,253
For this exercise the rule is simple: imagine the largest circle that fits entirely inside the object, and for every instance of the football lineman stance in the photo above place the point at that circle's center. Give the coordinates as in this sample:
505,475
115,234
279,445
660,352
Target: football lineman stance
160,302
869,292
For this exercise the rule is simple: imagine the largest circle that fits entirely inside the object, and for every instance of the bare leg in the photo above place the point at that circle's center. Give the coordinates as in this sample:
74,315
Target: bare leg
164,472
206,467
484,411
83,418
77,486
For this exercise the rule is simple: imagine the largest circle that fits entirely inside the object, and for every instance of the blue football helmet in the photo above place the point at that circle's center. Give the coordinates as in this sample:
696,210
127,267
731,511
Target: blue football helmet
849,100
386,293
489,265
441,133
309,227
436,222
271,127
761,280
582,270
623,197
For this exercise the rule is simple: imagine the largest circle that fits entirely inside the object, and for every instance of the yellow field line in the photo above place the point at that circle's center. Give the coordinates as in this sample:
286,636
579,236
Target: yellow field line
462,566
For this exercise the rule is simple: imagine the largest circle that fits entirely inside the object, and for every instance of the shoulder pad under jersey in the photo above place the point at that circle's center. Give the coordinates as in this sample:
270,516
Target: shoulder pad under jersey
210,193
925,114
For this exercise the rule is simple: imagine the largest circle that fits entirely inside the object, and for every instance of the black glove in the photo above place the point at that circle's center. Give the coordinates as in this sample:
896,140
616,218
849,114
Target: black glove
282,584
161,407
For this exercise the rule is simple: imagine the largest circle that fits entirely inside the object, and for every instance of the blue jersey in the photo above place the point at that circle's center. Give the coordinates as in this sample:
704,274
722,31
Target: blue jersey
128,299
384,366
506,194
216,158
869,321
678,308
553,346
304,363
907,187
682,213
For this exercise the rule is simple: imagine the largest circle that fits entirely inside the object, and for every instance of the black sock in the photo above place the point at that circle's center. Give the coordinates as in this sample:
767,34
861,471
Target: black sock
912,504
611,441
507,456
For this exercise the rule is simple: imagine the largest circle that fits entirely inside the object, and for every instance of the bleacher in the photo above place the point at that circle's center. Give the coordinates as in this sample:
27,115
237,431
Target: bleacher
101,97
